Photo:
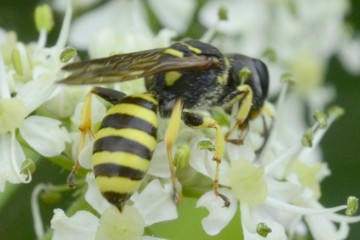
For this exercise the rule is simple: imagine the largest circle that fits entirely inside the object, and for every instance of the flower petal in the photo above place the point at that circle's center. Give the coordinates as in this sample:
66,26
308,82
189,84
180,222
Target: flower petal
44,135
248,182
175,14
323,228
7,171
219,216
202,162
250,220
159,166
81,226
162,207
124,16
43,82
93,195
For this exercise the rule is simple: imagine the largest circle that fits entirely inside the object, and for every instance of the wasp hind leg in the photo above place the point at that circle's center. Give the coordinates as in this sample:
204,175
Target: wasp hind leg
198,121
170,137
109,95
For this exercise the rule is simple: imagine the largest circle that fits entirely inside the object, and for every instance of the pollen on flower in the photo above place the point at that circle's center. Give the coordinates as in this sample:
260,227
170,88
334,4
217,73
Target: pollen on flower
248,183
308,176
128,224
308,71
12,114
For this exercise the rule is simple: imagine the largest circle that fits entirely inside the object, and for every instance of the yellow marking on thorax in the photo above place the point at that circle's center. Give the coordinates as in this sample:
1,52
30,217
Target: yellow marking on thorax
174,52
191,48
136,111
223,79
129,133
121,159
117,184
171,77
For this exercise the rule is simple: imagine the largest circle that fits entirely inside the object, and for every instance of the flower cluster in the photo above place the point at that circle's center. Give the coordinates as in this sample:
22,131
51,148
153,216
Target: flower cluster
27,76
272,179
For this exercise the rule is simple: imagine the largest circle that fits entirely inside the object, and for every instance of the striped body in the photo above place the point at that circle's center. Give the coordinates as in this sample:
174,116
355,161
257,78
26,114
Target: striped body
124,145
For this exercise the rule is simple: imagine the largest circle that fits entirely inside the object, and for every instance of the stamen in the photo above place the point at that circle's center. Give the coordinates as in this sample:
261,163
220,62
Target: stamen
44,19
206,145
13,160
4,88
222,13
343,219
353,205
263,230
289,154
20,60
277,121
28,166
65,28
319,132
301,210
308,138
244,75
42,39
35,209
67,54
321,118
210,33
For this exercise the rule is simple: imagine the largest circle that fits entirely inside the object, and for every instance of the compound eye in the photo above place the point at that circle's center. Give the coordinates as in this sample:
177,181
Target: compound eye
263,73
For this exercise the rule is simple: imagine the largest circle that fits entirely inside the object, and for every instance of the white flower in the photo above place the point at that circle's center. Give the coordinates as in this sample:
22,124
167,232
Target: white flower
162,207
280,188
302,35
219,216
82,225
128,224
176,14
116,27
113,224
29,76
350,54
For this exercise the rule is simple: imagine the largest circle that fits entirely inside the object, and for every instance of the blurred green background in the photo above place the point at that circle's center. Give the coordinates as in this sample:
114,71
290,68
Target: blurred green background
341,145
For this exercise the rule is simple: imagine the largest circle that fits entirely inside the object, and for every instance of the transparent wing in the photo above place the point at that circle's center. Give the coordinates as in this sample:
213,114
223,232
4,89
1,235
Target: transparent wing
124,67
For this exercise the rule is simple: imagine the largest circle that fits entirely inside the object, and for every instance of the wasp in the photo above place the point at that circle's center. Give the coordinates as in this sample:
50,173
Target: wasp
180,79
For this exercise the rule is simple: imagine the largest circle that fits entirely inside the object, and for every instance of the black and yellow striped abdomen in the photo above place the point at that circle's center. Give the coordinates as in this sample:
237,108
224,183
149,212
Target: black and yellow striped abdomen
124,145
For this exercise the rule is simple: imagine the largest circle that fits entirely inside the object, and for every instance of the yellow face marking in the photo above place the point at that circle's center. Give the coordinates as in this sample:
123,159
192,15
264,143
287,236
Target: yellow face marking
122,159
136,111
174,52
129,133
117,184
171,77
191,48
